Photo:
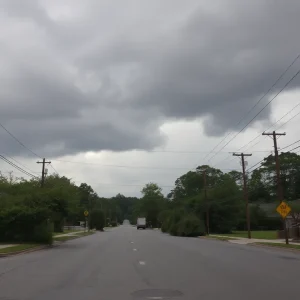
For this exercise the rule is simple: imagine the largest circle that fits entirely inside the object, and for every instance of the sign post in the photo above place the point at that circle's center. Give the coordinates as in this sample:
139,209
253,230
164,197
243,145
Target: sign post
284,209
86,214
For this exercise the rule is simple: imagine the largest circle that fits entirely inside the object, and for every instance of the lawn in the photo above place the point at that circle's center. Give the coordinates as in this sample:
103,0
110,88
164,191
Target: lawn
221,238
18,248
71,237
268,235
280,245
66,232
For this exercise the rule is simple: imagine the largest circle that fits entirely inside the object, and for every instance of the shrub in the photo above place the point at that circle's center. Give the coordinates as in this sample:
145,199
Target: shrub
24,224
190,226
113,223
173,229
96,219
173,220
43,233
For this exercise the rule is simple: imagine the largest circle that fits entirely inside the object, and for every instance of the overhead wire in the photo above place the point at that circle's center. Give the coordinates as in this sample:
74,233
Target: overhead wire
53,168
268,103
264,95
16,139
21,164
17,167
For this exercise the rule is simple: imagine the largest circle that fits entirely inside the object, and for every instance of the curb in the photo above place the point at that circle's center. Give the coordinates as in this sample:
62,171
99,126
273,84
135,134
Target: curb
55,244
26,251
275,247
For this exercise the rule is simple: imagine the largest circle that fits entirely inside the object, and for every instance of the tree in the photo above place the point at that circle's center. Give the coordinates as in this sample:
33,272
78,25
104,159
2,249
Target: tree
150,205
96,220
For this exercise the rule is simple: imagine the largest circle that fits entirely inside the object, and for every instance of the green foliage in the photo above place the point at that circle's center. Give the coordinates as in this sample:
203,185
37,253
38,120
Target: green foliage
179,223
23,224
97,220
113,223
181,213
150,205
190,226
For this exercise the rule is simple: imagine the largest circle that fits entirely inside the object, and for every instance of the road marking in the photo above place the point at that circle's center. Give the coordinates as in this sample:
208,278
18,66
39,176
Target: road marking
155,298
142,262
131,242
134,249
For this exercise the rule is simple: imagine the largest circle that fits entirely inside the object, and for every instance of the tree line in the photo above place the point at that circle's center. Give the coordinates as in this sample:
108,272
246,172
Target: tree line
31,213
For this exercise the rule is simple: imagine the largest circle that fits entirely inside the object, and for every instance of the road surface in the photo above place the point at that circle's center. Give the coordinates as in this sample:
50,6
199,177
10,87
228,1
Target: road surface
124,263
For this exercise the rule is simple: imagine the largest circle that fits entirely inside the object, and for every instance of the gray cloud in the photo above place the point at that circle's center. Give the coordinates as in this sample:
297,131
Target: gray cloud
96,78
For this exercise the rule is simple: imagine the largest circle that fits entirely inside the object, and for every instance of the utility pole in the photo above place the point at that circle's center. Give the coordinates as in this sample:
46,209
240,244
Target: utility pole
206,201
279,183
245,191
43,169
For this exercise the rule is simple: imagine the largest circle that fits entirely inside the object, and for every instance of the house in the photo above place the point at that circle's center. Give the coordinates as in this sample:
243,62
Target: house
292,220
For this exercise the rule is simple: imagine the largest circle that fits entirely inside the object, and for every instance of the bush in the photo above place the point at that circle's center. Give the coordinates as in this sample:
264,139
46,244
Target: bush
190,226
24,224
43,233
113,223
96,220
179,223
175,217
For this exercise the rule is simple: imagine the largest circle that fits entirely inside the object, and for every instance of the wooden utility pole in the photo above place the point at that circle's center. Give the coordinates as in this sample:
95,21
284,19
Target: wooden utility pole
43,170
280,194
245,191
206,202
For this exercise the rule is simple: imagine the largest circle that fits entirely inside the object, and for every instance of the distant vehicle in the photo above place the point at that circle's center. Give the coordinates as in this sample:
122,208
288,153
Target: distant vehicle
141,223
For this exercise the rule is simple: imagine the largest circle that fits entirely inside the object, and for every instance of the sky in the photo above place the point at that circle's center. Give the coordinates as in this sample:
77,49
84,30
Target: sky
121,93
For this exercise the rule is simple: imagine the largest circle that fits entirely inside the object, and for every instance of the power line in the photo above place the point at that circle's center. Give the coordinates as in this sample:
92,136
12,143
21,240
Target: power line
273,125
288,120
259,112
21,164
290,145
240,121
130,167
134,185
17,167
53,168
294,148
16,139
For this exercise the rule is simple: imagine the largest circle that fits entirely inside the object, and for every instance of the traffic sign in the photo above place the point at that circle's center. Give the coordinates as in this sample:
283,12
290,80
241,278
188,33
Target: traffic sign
283,209
86,213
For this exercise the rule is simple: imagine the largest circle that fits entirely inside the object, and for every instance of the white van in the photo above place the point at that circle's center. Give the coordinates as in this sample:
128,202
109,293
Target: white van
141,223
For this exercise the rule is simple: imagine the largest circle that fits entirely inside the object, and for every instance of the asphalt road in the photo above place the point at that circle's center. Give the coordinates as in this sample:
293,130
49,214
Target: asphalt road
124,263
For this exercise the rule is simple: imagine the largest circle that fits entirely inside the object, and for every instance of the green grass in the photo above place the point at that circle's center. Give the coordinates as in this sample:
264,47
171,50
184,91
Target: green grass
66,232
18,248
280,245
268,235
71,237
219,238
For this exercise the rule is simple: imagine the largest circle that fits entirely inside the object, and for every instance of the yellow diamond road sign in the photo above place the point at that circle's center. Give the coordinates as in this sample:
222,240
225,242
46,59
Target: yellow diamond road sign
283,209
86,213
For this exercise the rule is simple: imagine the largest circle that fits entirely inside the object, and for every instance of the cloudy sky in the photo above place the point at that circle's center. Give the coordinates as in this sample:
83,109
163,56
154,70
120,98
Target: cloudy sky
119,93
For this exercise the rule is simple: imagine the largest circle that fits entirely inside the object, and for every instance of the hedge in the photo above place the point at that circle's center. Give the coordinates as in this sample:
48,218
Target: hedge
180,223
23,224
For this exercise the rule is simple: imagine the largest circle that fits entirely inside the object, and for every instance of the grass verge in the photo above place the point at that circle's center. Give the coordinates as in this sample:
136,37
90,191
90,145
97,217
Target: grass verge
66,232
220,238
18,248
279,245
268,235
72,237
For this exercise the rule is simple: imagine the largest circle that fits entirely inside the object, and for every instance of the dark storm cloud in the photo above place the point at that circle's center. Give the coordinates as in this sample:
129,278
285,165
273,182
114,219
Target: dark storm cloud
106,80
